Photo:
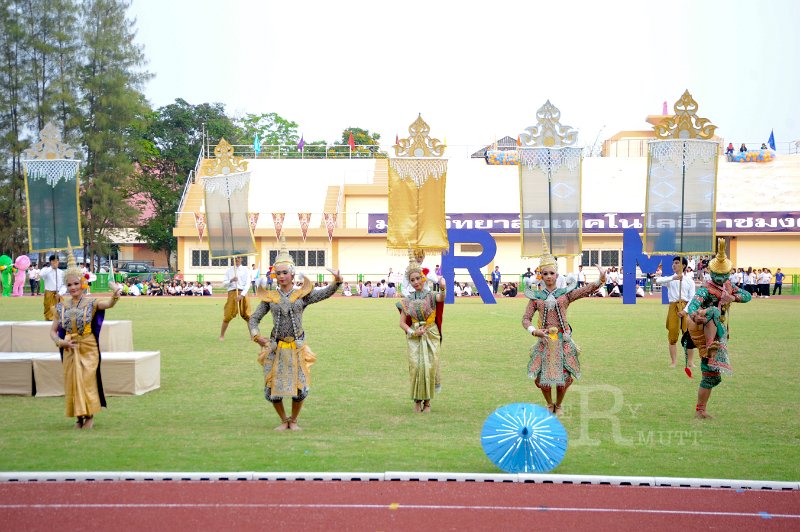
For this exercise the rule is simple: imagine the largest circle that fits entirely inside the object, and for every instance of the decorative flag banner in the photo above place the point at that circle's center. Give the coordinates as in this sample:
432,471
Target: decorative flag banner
681,205
330,223
301,144
227,183
305,218
200,224
772,140
277,220
351,141
417,177
51,192
252,218
550,186
256,145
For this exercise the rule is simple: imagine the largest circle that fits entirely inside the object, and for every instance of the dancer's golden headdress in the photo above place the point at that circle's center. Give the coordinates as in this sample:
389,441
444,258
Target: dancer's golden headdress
284,257
547,259
415,259
73,271
720,263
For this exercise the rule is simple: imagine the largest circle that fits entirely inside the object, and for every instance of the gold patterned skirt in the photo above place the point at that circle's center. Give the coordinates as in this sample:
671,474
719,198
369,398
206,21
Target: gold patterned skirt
80,376
423,364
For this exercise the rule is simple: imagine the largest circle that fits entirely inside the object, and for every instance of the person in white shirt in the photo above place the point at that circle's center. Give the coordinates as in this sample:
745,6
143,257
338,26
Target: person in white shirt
54,286
237,282
134,290
467,291
581,276
255,273
346,290
33,279
680,290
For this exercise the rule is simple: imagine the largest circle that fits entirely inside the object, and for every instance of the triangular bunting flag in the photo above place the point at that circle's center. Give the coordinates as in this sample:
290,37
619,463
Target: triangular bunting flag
200,224
305,218
330,223
277,219
252,217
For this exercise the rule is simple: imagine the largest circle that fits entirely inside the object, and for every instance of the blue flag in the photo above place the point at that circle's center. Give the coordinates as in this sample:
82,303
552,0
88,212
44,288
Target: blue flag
256,145
772,139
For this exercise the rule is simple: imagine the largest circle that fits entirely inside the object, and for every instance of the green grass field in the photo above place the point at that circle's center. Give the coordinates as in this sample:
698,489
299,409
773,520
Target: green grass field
629,414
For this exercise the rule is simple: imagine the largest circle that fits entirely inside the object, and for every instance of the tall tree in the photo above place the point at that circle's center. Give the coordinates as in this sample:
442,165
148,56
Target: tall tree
13,78
366,142
177,131
273,130
109,79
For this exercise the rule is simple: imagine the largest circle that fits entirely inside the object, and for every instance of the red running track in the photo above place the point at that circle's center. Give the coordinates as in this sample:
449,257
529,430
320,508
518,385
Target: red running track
308,505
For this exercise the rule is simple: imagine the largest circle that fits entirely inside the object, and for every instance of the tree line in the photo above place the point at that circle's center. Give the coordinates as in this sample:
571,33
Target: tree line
75,63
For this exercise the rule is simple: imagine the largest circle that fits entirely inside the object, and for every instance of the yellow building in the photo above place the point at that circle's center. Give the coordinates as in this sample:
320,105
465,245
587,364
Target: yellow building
758,208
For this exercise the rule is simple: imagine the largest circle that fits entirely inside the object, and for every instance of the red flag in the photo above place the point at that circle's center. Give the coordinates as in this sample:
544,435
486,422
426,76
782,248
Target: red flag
351,141
396,139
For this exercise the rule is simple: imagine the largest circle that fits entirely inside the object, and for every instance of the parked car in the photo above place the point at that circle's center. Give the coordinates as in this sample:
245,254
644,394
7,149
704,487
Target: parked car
142,270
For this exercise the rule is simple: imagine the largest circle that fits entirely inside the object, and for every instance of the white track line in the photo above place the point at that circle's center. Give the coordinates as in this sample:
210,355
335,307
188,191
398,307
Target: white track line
393,507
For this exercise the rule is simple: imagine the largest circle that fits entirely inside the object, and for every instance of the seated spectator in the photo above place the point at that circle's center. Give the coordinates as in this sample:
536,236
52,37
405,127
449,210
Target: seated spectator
764,146
207,289
457,290
366,289
197,289
466,290
510,290
391,291
382,288
639,291
346,289
376,291
742,148
134,290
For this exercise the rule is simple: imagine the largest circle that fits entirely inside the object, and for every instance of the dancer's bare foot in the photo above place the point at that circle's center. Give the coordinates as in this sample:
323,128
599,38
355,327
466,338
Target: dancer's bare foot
702,414
417,406
221,338
78,423
88,423
292,424
284,425
558,411
551,408
426,407
672,365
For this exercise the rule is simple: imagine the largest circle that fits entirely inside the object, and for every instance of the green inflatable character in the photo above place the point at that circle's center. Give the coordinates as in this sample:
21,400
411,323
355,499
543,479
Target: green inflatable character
6,274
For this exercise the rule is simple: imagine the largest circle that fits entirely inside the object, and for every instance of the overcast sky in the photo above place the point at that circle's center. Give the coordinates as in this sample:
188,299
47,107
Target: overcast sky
480,70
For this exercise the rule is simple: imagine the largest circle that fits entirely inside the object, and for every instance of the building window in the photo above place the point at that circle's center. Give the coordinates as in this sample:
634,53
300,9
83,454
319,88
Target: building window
199,257
316,258
219,262
301,257
609,257
590,257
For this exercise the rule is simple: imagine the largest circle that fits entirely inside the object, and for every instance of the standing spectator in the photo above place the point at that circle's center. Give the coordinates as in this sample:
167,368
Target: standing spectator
33,279
526,278
438,272
255,273
729,151
496,279
764,279
778,282
581,276
742,148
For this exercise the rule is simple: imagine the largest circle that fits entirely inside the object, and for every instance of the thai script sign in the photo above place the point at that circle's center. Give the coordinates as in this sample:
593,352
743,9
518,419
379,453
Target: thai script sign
611,222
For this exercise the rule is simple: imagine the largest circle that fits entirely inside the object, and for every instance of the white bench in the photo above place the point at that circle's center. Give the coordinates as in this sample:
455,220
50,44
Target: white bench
30,362
123,373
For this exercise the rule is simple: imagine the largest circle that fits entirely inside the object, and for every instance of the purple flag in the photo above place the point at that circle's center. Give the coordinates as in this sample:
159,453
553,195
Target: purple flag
301,143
